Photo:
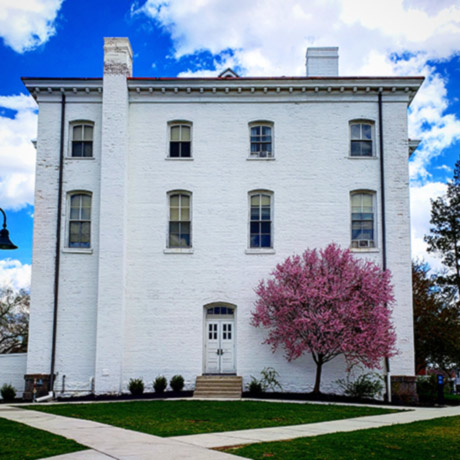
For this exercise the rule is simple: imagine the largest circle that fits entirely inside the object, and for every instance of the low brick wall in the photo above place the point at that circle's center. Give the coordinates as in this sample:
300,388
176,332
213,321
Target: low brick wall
12,370
404,389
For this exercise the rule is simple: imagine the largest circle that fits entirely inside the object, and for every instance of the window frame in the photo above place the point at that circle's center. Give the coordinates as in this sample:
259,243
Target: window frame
170,248
262,124
260,249
179,123
374,245
68,245
82,123
361,121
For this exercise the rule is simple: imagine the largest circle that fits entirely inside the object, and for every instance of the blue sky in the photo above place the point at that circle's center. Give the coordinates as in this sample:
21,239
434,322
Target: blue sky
58,38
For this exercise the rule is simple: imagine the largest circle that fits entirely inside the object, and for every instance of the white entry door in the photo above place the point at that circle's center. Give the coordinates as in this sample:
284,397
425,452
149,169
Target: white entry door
220,346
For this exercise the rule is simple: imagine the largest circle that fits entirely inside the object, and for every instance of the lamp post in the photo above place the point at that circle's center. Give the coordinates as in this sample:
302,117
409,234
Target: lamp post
5,242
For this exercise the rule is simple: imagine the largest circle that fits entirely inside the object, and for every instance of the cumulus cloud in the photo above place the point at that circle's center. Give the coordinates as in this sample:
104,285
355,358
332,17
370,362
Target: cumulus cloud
17,154
27,24
14,275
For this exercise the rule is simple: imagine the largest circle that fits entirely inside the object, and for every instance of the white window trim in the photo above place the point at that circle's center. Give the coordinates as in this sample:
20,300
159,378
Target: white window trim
270,250
65,246
170,124
374,141
375,248
168,249
253,124
71,125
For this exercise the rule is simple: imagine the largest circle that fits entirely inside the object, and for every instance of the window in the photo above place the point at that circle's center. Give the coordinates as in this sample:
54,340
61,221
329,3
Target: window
82,140
180,141
361,134
261,140
179,220
260,220
362,220
80,221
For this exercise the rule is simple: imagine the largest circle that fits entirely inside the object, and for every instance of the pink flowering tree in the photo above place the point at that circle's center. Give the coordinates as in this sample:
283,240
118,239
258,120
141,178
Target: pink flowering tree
328,303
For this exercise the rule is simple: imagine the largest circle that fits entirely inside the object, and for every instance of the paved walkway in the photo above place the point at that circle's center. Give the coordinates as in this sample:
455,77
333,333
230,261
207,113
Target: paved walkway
108,442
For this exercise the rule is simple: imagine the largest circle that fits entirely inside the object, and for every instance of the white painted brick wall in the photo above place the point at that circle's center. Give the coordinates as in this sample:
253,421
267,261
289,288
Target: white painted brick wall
12,370
150,316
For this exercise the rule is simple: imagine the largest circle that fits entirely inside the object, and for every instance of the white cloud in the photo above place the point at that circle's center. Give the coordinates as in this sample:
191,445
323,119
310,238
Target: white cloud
17,154
14,275
420,196
27,24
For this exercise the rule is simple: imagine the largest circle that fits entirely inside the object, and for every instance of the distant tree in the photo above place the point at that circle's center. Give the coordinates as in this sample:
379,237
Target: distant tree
436,323
327,303
14,321
444,237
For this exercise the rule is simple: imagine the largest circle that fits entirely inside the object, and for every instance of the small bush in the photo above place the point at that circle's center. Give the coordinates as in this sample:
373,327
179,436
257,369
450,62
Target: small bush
160,384
136,387
269,379
255,387
427,389
177,383
365,386
8,392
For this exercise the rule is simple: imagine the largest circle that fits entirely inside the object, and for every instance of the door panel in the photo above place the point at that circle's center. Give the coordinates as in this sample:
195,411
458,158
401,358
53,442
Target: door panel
220,345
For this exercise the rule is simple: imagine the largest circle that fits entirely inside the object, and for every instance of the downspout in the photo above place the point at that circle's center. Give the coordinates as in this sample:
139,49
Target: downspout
58,246
384,235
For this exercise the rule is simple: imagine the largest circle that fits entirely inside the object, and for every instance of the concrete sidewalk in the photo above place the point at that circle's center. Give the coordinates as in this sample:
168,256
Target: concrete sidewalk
108,442
234,438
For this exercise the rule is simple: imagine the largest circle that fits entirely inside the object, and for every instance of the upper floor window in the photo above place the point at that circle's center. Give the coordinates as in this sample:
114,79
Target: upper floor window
361,138
180,140
260,220
261,140
82,140
80,220
180,220
362,220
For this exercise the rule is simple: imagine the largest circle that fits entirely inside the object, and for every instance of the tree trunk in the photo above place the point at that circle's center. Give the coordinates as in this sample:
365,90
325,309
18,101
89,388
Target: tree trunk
319,366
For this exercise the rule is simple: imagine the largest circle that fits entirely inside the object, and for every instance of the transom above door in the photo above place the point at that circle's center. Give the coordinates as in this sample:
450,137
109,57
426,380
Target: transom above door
220,340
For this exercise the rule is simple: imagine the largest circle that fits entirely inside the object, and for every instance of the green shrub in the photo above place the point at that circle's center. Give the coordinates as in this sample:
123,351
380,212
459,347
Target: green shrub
365,386
177,383
136,387
255,387
269,379
427,388
8,392
160,384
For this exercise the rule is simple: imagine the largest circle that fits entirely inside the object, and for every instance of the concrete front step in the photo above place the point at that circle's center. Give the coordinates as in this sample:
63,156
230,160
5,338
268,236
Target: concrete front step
218,386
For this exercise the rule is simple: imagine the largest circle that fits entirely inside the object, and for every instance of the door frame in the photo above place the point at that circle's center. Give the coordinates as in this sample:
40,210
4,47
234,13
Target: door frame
205,333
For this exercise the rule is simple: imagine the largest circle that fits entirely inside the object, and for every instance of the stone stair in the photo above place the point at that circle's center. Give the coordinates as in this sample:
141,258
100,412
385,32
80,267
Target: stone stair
218,386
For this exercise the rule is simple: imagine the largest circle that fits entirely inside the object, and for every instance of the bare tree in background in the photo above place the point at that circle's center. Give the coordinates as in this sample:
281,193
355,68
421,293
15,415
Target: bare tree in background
14,321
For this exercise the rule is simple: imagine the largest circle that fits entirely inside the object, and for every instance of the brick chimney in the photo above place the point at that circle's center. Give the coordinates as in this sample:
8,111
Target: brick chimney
323,62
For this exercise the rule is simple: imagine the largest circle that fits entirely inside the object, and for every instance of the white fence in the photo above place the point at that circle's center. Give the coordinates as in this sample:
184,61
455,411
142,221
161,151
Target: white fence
12,370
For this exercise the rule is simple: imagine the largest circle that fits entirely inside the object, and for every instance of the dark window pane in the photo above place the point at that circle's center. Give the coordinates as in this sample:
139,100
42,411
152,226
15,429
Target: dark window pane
174,149
265,227
185,240
356,131
255,239
88,149
355,148
265,213
255,215
185,227
174,227
366,149
185,149
367,132
266,130
255,228
77,149
265,241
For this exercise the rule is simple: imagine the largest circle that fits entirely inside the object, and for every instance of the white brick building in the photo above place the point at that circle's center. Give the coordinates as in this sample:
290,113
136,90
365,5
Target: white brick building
179,194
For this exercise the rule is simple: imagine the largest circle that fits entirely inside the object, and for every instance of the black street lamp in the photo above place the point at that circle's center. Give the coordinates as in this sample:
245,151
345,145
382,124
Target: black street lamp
5,242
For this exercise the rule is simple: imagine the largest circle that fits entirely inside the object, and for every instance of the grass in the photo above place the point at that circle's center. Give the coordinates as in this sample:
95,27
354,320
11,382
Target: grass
22,442
173,418
433,439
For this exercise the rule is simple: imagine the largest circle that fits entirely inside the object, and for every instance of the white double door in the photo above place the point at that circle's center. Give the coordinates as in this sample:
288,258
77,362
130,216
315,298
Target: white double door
220,346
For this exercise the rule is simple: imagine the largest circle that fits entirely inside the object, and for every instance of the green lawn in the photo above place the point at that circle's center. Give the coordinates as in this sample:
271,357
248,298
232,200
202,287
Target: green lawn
22,442
433,439
173,418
